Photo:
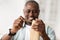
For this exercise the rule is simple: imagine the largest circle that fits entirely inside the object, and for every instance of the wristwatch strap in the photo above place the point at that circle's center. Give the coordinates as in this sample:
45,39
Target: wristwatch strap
11,34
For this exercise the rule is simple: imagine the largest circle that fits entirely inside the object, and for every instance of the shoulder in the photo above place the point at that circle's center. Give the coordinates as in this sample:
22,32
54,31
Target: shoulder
48,29
50,32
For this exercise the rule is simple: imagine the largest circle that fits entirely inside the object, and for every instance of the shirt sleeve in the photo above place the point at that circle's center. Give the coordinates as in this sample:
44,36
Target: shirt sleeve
51,33
18,35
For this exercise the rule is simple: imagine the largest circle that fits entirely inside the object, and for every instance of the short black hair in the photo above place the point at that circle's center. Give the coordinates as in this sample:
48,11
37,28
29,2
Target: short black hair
37,5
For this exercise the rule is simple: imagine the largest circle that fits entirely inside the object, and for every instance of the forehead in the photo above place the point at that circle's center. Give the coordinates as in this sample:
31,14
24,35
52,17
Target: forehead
31,6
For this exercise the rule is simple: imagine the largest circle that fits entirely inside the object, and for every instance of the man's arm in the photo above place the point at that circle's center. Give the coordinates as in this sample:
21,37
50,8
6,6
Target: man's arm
18,23
45,36
39,26
6,37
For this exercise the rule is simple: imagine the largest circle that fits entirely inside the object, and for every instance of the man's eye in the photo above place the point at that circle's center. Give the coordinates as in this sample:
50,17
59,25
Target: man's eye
33,11
28,11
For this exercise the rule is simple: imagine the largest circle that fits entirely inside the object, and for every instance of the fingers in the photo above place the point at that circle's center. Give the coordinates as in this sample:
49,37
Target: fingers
21,18
37,24
18,22
34,25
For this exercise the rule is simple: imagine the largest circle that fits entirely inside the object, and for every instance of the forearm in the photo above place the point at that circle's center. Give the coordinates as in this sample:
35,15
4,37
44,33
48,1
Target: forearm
9,35
6,37
45,37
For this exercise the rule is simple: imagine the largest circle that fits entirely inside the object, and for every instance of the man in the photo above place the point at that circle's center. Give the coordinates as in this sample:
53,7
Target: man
21,32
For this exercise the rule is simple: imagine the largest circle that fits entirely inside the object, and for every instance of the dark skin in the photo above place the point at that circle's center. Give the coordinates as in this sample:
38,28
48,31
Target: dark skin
30,11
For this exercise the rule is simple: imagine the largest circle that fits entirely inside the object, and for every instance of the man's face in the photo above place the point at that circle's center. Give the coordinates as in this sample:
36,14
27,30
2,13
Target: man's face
31,11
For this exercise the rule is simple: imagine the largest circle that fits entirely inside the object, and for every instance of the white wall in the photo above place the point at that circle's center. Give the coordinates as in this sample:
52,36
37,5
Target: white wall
50,13
11,9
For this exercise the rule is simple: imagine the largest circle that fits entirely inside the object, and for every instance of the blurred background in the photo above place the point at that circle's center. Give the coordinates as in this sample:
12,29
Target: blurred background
12,9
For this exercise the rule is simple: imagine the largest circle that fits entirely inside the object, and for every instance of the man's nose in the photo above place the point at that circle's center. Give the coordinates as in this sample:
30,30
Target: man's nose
31,14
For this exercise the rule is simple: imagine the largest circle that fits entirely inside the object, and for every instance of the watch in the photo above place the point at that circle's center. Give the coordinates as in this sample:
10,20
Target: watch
11,34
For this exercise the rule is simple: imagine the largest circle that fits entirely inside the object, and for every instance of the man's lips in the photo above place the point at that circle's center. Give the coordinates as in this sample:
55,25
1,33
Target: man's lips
29,21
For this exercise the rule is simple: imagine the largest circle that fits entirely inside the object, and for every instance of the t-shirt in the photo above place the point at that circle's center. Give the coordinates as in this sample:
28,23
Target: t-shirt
24,33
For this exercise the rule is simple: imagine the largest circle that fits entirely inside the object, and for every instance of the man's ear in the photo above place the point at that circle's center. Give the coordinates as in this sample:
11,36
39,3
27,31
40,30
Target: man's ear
23,11
39,11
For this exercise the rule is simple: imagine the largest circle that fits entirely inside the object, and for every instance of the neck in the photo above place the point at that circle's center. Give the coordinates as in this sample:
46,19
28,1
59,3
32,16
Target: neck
28,23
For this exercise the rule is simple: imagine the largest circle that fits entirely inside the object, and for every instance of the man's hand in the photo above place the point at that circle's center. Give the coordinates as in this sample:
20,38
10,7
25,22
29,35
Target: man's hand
38,25
18,23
